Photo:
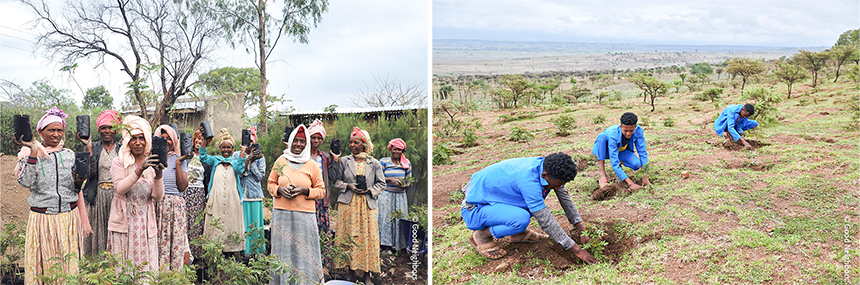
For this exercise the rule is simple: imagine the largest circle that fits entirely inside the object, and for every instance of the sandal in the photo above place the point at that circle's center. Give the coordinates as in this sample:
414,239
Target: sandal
488,250
531,236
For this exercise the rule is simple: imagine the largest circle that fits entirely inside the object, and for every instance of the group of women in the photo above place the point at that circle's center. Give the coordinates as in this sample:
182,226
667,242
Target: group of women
145,211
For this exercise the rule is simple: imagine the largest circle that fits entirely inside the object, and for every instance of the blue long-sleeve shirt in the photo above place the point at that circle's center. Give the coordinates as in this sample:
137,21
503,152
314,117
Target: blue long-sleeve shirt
213,161
516,182
252,177
636,144
730,119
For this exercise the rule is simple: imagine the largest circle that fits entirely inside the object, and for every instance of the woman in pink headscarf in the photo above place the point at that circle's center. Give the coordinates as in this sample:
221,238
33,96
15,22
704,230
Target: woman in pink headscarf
327,162
360,184
398,174
173,247
98,192
56,224
139,184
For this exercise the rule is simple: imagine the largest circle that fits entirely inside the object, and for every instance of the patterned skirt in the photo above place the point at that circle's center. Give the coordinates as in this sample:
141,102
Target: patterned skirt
389,230
172,226
50,236
323,225
99,214
195,202
359,223
296,241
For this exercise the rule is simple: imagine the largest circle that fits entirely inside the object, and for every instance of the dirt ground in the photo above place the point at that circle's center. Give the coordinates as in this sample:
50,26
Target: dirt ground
13,197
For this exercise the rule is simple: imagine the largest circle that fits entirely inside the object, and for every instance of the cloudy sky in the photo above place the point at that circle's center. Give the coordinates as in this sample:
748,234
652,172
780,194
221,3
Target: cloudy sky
355,41
723,22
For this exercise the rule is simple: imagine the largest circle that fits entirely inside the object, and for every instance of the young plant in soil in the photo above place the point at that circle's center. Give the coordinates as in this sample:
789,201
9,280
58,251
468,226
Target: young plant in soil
596,245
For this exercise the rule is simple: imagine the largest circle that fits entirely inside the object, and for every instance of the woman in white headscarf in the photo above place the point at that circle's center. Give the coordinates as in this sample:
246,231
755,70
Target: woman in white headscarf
138,185
56,224
296,183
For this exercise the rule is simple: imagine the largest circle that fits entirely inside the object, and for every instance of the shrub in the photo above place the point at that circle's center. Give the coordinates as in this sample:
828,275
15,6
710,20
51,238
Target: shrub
516,116
854,108
711,94
470,139
11,248
765,106
599,119
565,124
668,121
644,121
596,245
442,153
521,134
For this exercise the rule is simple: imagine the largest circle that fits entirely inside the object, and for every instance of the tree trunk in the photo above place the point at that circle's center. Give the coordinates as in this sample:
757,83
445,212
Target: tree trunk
837,73
743,84
652,103
789,91
261,30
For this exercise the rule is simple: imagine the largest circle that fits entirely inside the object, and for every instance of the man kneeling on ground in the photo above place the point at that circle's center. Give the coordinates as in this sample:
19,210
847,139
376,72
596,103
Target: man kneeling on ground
734,120
620,144
502,198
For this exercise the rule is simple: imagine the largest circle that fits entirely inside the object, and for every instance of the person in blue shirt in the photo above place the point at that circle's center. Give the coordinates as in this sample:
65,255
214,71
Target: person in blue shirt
620,144
734,120
502,198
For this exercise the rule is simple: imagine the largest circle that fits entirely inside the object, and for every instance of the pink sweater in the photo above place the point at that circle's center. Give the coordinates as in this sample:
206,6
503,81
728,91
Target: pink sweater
123,179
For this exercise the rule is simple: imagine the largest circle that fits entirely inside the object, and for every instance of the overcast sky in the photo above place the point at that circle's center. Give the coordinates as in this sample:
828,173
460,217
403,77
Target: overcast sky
722,22
355,40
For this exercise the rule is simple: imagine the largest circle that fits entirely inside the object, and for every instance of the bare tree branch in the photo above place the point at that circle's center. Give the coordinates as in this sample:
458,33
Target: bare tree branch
389,92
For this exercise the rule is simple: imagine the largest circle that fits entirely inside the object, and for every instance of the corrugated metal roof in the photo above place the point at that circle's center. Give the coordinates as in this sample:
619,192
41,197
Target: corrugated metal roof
190,105
358,110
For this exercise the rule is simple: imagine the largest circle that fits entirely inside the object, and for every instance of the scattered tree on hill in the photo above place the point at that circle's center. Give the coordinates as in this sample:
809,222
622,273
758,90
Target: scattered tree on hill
701,68
789,73
711,94
173,37
745,68
445,91
650,87
849,38
683,77
765,105
840,54
97,97
517,86
812,61
249,23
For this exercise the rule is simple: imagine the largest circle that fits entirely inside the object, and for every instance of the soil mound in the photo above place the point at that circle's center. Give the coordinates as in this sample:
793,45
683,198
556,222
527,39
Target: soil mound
737,146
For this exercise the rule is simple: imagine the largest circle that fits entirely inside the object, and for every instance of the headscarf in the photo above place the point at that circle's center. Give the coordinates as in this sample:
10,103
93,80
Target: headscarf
171,133
253,131
136,125
316,128
51,116
365,138
399,143
306,152
108,117
225,136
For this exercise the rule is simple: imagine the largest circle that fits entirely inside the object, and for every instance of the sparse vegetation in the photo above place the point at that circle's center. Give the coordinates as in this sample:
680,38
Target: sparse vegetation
564,124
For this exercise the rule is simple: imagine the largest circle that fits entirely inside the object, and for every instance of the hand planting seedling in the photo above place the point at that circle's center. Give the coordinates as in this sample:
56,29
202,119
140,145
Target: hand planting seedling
595,244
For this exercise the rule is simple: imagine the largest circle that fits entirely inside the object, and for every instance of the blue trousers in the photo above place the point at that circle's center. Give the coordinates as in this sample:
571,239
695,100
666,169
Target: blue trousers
748,125
503,220
627,157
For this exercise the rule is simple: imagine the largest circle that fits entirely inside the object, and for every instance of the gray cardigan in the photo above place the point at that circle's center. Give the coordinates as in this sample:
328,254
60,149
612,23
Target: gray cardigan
91,188
373,173
51,183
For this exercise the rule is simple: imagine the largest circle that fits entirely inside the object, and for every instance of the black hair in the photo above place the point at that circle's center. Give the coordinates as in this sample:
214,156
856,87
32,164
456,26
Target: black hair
560,166
750,109
163,131
629,119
